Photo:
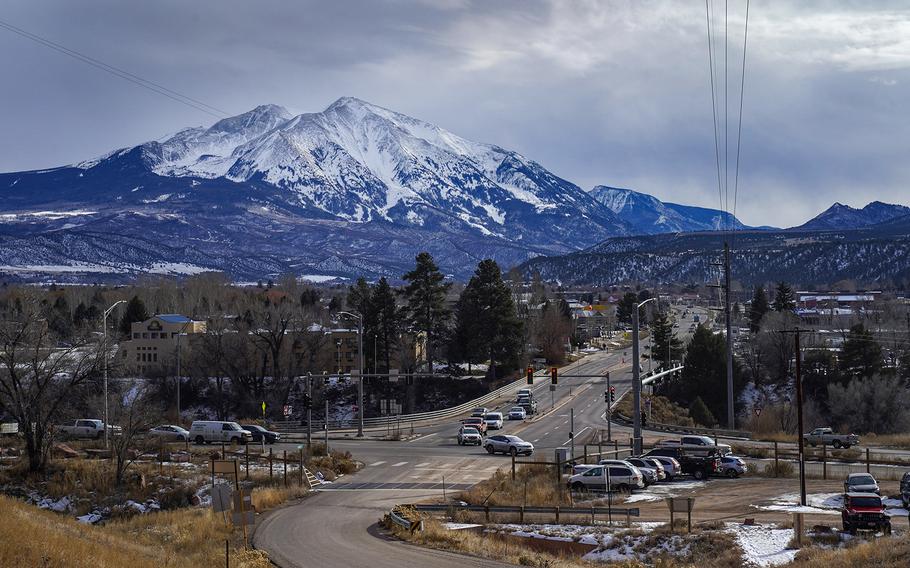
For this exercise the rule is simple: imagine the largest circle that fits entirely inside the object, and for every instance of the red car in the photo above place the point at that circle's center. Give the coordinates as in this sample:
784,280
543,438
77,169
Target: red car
476,422
864,511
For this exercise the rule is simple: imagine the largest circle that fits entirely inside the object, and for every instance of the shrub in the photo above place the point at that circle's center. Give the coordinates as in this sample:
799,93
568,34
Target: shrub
782,469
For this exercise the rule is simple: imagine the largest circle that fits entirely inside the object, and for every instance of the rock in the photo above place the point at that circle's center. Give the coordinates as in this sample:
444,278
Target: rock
63,451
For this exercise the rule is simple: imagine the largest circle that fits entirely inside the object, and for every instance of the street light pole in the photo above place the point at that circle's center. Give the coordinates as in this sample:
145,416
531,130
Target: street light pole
359,318
636,381
182,329
105,355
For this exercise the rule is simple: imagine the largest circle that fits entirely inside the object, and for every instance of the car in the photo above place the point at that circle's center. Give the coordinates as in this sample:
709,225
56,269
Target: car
699,467
732,466
517,413
508,445
493,420
469,435
259,433
476,422
170,433
864,511
479,412
861,483
216,431
827,436
905,490
91,428
619,477
671,466
528,404
696,445
582,467
653,474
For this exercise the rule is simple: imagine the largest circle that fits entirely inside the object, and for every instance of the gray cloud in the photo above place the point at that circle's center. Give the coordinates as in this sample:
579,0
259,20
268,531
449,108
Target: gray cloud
599,92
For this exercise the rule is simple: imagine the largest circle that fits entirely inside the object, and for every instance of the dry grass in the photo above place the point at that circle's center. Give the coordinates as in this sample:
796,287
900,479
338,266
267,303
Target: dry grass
174,539
663,410
265,498
873,554
534,485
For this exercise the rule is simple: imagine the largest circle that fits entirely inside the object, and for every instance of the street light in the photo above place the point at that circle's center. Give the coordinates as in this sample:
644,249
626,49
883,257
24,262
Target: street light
359,318
107,312
636,380
179,333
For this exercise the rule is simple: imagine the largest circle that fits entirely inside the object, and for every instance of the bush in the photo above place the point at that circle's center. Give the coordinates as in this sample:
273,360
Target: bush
701,414
876,404
783,469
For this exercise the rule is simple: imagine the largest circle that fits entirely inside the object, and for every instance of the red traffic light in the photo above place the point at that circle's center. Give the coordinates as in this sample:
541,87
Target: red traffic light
530,375
554,379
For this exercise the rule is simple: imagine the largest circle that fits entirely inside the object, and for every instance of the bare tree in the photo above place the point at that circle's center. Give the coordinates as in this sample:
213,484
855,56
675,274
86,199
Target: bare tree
37,376
134,413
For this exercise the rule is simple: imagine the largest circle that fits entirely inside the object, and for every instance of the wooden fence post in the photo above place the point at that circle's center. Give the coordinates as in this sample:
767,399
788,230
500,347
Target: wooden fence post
557,514
867,460
486,512
285,461
824,462
300,470
521,514
270,464
775,460
585,453
592,515
247,456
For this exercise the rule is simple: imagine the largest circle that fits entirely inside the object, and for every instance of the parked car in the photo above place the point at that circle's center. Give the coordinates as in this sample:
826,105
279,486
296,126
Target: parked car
861,483
216,431
493,420
644,464
827,437
732,466
259,433
508,445
476,422
582,467
89,428
905,490
469,435
479,412
697,445
620,477
517,413
671,465
170,433
699,467
864,511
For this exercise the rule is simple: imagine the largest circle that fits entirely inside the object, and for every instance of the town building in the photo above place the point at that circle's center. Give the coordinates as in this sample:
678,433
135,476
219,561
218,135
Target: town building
152,344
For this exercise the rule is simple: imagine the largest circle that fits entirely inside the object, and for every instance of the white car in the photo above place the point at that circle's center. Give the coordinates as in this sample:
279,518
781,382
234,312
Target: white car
493,420
732,466
508,445
517,413
170,433
672,467
468,435
620,477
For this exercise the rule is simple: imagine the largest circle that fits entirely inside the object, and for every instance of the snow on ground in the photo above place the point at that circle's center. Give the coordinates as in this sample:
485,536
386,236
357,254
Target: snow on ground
824,504
663,490
764,545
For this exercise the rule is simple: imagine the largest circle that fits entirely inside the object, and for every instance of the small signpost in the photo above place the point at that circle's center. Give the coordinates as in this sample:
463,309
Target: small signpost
681,505
242,513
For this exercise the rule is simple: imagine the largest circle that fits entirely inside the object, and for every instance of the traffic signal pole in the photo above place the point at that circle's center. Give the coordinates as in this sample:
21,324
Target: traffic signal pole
608,395
309,413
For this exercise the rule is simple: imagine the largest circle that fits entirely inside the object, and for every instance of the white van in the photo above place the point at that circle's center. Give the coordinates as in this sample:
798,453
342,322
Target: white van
208,431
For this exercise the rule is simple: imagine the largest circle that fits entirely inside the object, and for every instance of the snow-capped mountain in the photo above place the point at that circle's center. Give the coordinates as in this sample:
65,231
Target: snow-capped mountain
392,184
839,216
649,215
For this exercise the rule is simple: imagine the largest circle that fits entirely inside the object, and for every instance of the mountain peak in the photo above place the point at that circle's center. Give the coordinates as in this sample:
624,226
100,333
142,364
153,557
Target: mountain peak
840,216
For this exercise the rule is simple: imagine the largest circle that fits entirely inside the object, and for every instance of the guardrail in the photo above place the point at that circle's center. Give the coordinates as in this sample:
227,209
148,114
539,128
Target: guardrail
521,511
677,429
396,517
416,417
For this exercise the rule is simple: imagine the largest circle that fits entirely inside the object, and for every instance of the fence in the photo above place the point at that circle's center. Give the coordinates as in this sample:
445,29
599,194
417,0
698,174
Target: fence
521,511
821,461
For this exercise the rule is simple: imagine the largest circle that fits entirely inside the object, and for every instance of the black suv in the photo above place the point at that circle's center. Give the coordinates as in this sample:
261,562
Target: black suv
697,466
259,433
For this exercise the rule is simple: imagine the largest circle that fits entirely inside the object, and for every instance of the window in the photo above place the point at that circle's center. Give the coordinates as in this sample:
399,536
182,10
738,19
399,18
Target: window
138,357
136,335
145,335
593,472
155,357
619,472
226,427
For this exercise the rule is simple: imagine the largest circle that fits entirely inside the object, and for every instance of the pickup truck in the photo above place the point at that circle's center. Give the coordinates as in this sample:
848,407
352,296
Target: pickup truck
699,467
88,428
696,446
827,437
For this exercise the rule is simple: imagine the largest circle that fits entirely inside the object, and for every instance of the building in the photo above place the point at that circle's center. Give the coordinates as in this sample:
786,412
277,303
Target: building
152,344
593,321
834,308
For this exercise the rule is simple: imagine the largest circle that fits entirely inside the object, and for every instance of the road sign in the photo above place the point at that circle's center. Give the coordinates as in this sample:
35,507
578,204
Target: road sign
221,497
224,466
758,411
552,388
393,375
286,410
263,409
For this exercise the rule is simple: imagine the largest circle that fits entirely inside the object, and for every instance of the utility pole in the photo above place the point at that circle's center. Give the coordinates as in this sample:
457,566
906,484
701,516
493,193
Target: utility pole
636,381
105,354
572,430
609,399
731,422
799,415
309,413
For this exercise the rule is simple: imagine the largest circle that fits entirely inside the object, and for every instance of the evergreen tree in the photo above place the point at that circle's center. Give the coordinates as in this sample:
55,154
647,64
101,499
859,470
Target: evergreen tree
426,294
487,320
626,306
861,355
664,340
758,309
388,321
59,318
360,301
135,311
701,414
784,300
310,297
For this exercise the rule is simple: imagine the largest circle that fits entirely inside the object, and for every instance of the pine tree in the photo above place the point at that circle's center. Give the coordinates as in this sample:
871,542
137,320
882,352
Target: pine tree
758,309
135,311
664,339
487,320
426,295
861,355
388,321
626,306
784,300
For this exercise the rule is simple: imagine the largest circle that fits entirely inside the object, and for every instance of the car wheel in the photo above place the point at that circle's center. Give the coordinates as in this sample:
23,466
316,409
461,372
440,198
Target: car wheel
848,528
732,473
489,448
513,451
699,474
578,486
811,444
836,444
887,529
846,446
235,440
623,488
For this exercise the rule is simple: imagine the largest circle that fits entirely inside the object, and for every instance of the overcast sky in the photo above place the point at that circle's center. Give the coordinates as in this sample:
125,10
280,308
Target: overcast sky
599,92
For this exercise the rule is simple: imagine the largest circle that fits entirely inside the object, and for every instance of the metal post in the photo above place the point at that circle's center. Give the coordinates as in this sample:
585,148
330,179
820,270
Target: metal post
309,414
327,427
636,385
572,431
799,420
105,354
730,415
360,383
609,409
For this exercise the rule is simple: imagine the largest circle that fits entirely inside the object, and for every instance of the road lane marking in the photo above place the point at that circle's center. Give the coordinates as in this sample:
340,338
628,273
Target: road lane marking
399,464
424,464
576,434
377,463
534,441
423,437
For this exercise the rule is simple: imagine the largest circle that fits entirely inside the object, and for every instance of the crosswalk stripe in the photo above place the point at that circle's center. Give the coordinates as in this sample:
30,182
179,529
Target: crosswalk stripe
424,464
377,463
399,464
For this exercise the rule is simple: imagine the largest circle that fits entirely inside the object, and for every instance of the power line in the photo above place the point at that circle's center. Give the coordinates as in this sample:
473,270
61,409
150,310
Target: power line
739,133
116,71
714,106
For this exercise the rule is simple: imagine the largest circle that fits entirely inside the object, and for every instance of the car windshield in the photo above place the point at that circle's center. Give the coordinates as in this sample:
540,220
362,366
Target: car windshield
865,502
494,416
862,480
517,409
470,431
513,439
252,427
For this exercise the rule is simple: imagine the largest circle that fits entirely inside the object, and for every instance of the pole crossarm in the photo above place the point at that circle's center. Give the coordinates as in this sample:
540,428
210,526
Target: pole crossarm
651,378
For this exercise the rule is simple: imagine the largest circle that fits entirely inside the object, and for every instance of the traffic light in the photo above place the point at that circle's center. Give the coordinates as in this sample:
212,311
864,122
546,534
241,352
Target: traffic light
530,375
644,419
307,401
606,397
612,394
554,379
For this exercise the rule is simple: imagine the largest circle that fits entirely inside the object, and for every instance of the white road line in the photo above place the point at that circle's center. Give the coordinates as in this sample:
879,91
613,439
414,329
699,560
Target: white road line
422,437
557,428
576,433
377,463
424,464
399,464
535,441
